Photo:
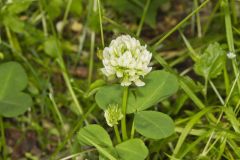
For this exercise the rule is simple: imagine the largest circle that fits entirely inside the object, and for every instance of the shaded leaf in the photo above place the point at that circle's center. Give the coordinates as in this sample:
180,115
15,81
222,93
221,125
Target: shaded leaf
54,8
14,23
51,47
76,7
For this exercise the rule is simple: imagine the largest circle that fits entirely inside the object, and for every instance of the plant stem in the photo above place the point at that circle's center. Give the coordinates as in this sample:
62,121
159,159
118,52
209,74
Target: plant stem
72,93
143,18
100,21
124,109
199,28
91,60
3,141
234,11
65,16
117,134
226,79
132,130
230,38
44,22
55,107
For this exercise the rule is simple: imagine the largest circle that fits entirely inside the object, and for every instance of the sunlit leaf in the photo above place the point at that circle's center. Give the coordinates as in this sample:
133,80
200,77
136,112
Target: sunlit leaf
152,124
133,149
159,85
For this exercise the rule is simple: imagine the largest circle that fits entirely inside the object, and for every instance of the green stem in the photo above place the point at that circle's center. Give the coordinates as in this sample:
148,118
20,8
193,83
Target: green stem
199,28
44,22
67,11
205,89
226,79
71,91
124,109
91,58
55,107
100,21
132,130
117,134
234,11
143,18
3,141
230,38
217,93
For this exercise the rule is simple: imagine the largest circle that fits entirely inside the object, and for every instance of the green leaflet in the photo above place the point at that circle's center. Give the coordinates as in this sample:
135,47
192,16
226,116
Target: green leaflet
95,135
13,80
152,124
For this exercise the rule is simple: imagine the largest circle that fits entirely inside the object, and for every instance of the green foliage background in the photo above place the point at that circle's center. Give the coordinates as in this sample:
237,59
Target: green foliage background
51,52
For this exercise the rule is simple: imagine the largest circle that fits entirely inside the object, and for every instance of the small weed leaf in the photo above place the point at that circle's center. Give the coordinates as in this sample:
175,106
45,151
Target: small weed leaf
13,80
152,124
211,62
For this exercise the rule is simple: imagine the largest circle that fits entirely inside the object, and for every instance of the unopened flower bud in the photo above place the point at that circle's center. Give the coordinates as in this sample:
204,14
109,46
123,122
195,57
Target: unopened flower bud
113,114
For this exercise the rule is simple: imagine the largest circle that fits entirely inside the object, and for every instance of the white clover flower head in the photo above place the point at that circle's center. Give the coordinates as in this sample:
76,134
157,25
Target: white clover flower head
113,114
126,59
231,55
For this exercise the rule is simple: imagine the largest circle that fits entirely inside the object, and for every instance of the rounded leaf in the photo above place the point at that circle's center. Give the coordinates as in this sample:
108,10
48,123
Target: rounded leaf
133,149
13,80
159,85
109,95
94,135
15,104
152,124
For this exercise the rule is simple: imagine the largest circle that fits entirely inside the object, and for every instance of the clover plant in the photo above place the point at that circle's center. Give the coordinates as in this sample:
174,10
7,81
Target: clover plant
137,89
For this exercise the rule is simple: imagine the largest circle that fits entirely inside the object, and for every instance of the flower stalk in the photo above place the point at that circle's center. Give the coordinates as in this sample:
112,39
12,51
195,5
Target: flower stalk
117,134
124,110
